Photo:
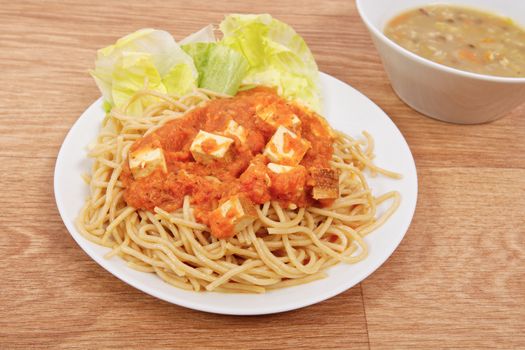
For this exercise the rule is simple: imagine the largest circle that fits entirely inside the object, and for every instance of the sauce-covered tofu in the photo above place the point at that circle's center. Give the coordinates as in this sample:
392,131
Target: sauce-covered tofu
280,169
217,151
275,116
287,183
286,147
144,161
235,130
232,216
207,147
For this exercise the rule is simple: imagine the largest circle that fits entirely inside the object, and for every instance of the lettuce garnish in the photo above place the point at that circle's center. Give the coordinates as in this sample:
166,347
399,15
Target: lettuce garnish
147,57
254,50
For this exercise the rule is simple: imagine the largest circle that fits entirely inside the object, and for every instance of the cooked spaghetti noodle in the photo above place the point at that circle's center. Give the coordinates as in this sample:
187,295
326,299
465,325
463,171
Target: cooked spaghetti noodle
282,247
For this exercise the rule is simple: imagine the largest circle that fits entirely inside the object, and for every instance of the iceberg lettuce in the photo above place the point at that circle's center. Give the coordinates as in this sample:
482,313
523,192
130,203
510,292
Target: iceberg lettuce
221,68
254,50
276,54
147,56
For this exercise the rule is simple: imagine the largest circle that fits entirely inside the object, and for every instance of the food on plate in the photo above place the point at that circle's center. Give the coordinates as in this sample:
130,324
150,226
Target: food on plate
254,50
244,188
462,38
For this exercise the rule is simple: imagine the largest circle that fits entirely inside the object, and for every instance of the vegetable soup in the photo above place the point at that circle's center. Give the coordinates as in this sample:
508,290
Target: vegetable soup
462,38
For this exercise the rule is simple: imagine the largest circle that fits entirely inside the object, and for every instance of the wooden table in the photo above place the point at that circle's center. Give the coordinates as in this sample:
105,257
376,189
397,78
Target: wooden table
456,281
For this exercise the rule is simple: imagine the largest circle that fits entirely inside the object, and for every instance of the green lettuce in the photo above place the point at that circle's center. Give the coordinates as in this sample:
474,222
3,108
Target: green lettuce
147,56
276,54
254,50
220,67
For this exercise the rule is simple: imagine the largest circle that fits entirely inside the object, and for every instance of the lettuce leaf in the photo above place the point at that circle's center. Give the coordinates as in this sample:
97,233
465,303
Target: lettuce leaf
276,54
221,68
255,50
204,35
129,74
200,53
179,80
148,55
224,70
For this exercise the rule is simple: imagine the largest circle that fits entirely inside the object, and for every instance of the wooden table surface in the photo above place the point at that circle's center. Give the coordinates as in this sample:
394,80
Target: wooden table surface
457,280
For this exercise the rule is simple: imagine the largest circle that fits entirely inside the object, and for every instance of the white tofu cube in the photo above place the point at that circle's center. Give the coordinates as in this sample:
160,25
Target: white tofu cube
277,117
285,147
235,130
232,216
207,147
144,161
280,169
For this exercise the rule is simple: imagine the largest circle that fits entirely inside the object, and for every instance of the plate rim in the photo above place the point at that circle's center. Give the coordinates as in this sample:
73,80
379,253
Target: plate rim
84,243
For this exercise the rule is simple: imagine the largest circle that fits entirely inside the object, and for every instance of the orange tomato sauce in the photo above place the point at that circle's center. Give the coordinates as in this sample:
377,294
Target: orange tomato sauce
208,184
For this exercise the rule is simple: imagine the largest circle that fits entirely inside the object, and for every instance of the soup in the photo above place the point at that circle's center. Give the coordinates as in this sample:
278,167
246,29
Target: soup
462,38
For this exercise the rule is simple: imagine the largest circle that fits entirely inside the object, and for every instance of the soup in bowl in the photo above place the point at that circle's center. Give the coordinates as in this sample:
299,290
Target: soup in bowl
463,38
460,62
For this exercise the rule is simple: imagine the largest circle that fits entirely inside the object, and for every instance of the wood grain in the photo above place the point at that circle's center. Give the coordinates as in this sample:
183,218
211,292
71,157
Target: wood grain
456,281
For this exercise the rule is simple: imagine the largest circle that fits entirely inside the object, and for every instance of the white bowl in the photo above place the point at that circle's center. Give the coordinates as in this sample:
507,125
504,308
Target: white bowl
436,90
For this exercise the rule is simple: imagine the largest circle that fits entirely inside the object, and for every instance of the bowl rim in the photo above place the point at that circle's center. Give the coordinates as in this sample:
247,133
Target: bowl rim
438,66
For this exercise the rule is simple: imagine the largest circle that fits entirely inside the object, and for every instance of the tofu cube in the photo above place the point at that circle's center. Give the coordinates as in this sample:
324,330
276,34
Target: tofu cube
287,182
278,116
207,147
326,183
144,161
280,169
285,147
232,216
235,130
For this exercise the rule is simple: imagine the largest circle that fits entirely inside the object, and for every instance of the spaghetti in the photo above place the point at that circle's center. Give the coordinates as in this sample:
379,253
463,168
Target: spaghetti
282,247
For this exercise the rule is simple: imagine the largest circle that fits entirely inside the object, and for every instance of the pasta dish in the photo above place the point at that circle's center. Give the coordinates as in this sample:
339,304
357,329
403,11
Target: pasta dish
230,194
214,169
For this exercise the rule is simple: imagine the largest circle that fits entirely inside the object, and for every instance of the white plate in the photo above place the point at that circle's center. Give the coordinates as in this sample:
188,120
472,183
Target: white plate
347,110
